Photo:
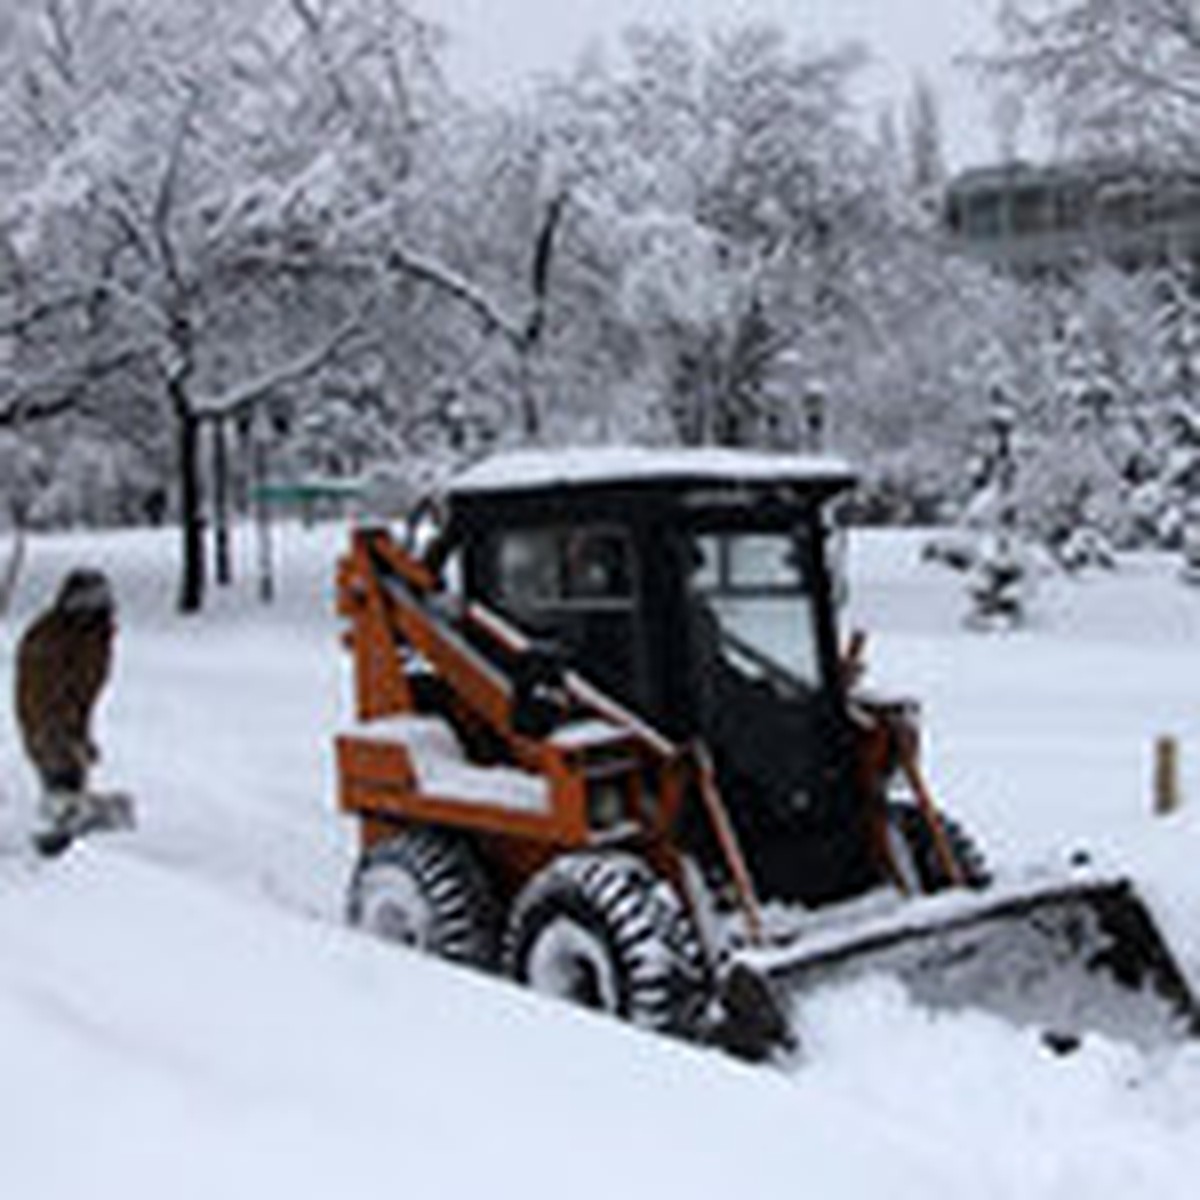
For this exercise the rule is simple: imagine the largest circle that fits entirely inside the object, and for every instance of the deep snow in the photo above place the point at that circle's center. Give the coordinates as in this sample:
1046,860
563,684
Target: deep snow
181,1012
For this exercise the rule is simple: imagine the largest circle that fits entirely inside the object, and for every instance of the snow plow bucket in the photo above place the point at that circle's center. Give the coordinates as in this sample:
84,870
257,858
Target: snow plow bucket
1068,958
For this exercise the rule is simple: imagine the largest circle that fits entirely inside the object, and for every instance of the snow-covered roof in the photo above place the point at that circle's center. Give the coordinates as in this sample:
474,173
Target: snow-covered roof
528,470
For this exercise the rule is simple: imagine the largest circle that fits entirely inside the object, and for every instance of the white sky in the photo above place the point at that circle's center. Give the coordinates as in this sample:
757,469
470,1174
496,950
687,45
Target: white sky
497,43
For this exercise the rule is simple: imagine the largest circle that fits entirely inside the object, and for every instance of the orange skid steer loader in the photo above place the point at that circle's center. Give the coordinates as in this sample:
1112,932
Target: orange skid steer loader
606,745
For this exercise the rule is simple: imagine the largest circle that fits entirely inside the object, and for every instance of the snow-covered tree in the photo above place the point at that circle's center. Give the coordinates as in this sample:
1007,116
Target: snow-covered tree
1080,481
1178,405
176,226
699,176
1113,75
683,242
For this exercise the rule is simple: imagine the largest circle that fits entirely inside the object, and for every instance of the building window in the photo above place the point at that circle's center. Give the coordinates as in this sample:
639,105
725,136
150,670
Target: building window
983,215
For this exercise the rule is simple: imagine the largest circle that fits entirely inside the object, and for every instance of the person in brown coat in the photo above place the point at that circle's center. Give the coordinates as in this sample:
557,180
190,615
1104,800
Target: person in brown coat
63,662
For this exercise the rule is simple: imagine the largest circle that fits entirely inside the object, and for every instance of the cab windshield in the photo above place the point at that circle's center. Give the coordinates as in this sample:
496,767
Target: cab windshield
751,588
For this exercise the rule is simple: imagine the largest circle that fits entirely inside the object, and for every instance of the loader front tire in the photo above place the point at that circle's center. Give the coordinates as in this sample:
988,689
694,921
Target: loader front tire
603,931
908,823
425,888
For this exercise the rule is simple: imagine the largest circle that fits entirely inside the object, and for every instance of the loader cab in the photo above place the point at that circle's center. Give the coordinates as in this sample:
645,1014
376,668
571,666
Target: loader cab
695,588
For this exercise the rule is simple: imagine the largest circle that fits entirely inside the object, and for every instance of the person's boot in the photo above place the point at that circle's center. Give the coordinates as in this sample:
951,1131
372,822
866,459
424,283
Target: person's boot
59,820
72,815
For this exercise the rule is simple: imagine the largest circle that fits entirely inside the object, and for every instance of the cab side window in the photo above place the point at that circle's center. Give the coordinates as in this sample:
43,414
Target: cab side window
597,567
542,571
526,571
576,588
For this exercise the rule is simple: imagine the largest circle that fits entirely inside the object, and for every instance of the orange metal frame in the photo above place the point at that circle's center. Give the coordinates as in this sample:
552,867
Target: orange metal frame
398,616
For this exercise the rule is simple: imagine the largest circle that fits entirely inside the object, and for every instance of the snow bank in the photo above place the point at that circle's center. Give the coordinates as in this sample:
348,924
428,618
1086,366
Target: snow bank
160,1038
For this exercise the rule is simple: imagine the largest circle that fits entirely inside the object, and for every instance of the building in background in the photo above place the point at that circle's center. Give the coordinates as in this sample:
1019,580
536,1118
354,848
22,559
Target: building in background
1054,219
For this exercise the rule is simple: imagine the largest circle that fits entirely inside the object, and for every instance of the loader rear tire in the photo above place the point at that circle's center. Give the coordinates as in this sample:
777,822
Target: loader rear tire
603,931
907,821
425,888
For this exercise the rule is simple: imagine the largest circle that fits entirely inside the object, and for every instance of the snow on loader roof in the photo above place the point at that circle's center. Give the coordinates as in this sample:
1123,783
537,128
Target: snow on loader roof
529,470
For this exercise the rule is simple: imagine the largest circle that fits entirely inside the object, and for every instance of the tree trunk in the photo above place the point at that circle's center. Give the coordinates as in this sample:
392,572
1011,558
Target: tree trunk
191,513
530,350
223,560
531,410
10,576
266,556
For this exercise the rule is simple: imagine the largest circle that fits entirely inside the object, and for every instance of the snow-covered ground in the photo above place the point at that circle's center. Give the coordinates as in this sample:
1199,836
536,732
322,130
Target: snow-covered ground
181,1012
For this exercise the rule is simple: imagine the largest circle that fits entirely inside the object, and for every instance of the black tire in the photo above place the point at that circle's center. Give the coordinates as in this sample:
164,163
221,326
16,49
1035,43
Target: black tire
601,930
907,820
426,889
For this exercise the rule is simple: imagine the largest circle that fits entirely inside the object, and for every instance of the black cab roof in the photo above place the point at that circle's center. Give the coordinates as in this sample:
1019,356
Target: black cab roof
530,473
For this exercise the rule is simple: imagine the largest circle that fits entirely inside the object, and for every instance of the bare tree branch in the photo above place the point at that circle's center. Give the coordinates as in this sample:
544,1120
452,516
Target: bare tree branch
314,27
543,257
427,270
129,218
83,295
60,49
24,412
165,199
249,395
27,320
62,391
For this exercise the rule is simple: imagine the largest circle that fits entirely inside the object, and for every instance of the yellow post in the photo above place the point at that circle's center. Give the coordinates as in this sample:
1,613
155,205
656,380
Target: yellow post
1167,797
